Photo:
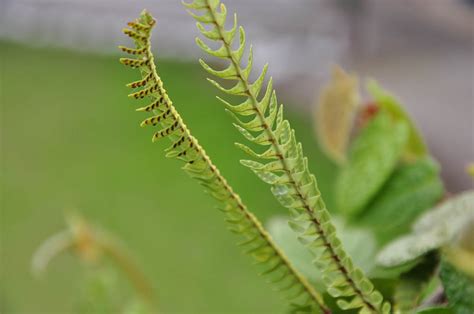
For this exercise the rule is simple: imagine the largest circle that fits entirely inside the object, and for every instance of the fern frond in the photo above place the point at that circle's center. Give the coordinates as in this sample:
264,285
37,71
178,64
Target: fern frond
255,240
283,164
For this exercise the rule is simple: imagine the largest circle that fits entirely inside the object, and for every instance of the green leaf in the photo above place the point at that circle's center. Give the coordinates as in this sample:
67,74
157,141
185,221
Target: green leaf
372,158
434,229
416,146
458,288
412,189
382,272
451,215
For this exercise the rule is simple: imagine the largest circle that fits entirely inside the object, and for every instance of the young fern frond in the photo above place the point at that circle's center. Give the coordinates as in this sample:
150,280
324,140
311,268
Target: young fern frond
283,164
256,241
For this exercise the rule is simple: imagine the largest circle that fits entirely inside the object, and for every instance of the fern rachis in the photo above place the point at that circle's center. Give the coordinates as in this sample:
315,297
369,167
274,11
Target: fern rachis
199,166
292,183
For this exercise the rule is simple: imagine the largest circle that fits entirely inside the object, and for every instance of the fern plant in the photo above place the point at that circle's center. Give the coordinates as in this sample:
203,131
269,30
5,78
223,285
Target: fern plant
419,270
282,164
256,241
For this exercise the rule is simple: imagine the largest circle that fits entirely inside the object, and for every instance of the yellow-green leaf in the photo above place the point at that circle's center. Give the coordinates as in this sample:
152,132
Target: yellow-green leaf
335,113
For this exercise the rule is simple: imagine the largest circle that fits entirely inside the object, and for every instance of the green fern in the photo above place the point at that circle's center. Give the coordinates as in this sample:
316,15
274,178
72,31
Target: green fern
282,164
198,165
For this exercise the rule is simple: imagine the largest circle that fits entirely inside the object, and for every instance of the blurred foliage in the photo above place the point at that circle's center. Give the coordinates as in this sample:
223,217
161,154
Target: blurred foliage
412,188
373,156
335,112
389,180
461,252
415,146
98,252
459,288
100,293
416,284
435,229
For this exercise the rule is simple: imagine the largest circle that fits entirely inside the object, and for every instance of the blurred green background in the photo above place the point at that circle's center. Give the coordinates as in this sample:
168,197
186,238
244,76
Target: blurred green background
71,141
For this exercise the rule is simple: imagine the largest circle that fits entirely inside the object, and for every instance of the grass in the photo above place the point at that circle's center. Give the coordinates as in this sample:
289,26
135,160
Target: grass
70,140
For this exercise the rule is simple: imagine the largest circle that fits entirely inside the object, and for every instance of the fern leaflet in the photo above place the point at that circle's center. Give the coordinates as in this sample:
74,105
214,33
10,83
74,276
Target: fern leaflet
198,165
282,164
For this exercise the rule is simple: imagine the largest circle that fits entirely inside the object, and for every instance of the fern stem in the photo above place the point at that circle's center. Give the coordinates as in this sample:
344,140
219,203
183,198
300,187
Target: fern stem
280,154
